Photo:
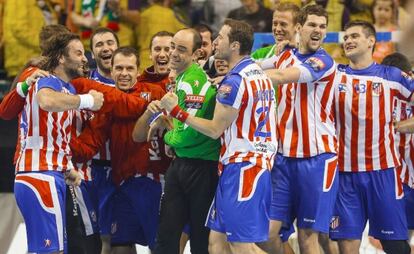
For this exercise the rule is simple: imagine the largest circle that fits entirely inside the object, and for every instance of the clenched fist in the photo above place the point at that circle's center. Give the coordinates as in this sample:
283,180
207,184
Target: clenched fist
98,100
169,101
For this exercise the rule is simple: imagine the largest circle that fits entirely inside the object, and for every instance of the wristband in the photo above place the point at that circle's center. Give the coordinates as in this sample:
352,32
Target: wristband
86,101
22,89
179,114
155,116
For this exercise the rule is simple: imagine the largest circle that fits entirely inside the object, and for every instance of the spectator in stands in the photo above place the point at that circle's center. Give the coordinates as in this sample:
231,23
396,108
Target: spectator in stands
121,16
359,9
23,21
385,20
221,10
259,17
157,17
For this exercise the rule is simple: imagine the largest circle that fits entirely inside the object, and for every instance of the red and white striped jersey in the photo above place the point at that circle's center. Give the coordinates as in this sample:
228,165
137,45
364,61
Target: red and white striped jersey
45,136
104,153
364,102
305,113
252,136
404,143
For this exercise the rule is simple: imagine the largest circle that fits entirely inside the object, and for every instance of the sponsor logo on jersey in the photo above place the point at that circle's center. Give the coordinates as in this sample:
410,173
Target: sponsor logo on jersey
48,243
93,216
194,101
342,88
224,91
406,76
315,63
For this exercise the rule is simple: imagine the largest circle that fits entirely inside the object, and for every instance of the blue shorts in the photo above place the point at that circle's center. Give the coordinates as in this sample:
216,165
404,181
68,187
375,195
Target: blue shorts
136,211
87,207
101,193
40,197
240,208
376,196
409,206
305,189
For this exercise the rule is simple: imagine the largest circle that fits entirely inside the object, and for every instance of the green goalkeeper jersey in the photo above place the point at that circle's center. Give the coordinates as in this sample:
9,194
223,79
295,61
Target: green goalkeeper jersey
263,53
197,96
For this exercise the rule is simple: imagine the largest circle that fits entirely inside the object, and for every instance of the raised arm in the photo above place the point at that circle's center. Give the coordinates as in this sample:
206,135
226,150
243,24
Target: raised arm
120,104
53,101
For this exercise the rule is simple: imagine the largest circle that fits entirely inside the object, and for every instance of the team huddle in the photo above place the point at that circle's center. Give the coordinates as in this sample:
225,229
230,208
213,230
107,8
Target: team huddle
232,160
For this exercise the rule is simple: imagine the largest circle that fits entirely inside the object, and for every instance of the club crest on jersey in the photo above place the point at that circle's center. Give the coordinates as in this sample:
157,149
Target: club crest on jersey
316,63
114,227
146,96
334,222
194,101
224,91
170,87
376,89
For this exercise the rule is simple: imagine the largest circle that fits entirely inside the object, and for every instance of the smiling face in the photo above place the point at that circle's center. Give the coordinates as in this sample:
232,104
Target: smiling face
160,53
75,61
312,33
124,71
357,43
206,45
103,47
221,66
283,26
181,55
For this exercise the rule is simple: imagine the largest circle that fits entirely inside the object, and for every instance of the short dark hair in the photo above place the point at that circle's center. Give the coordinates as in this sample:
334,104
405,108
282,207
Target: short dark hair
197,41
160,34
313,9
367,27
398,60
241,32
57,47
103,30
291,7
126,51
47,32
201,28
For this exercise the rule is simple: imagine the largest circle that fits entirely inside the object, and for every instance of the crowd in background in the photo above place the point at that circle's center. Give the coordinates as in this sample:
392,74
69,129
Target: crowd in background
136,21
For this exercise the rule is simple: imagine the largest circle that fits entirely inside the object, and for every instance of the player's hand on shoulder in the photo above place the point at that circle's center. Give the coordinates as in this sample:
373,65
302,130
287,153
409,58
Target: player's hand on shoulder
98,99
216,80
281,46
35,76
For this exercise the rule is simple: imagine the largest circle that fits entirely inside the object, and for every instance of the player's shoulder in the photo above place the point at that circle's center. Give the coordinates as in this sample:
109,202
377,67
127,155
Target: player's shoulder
262,53
392,73
195,72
